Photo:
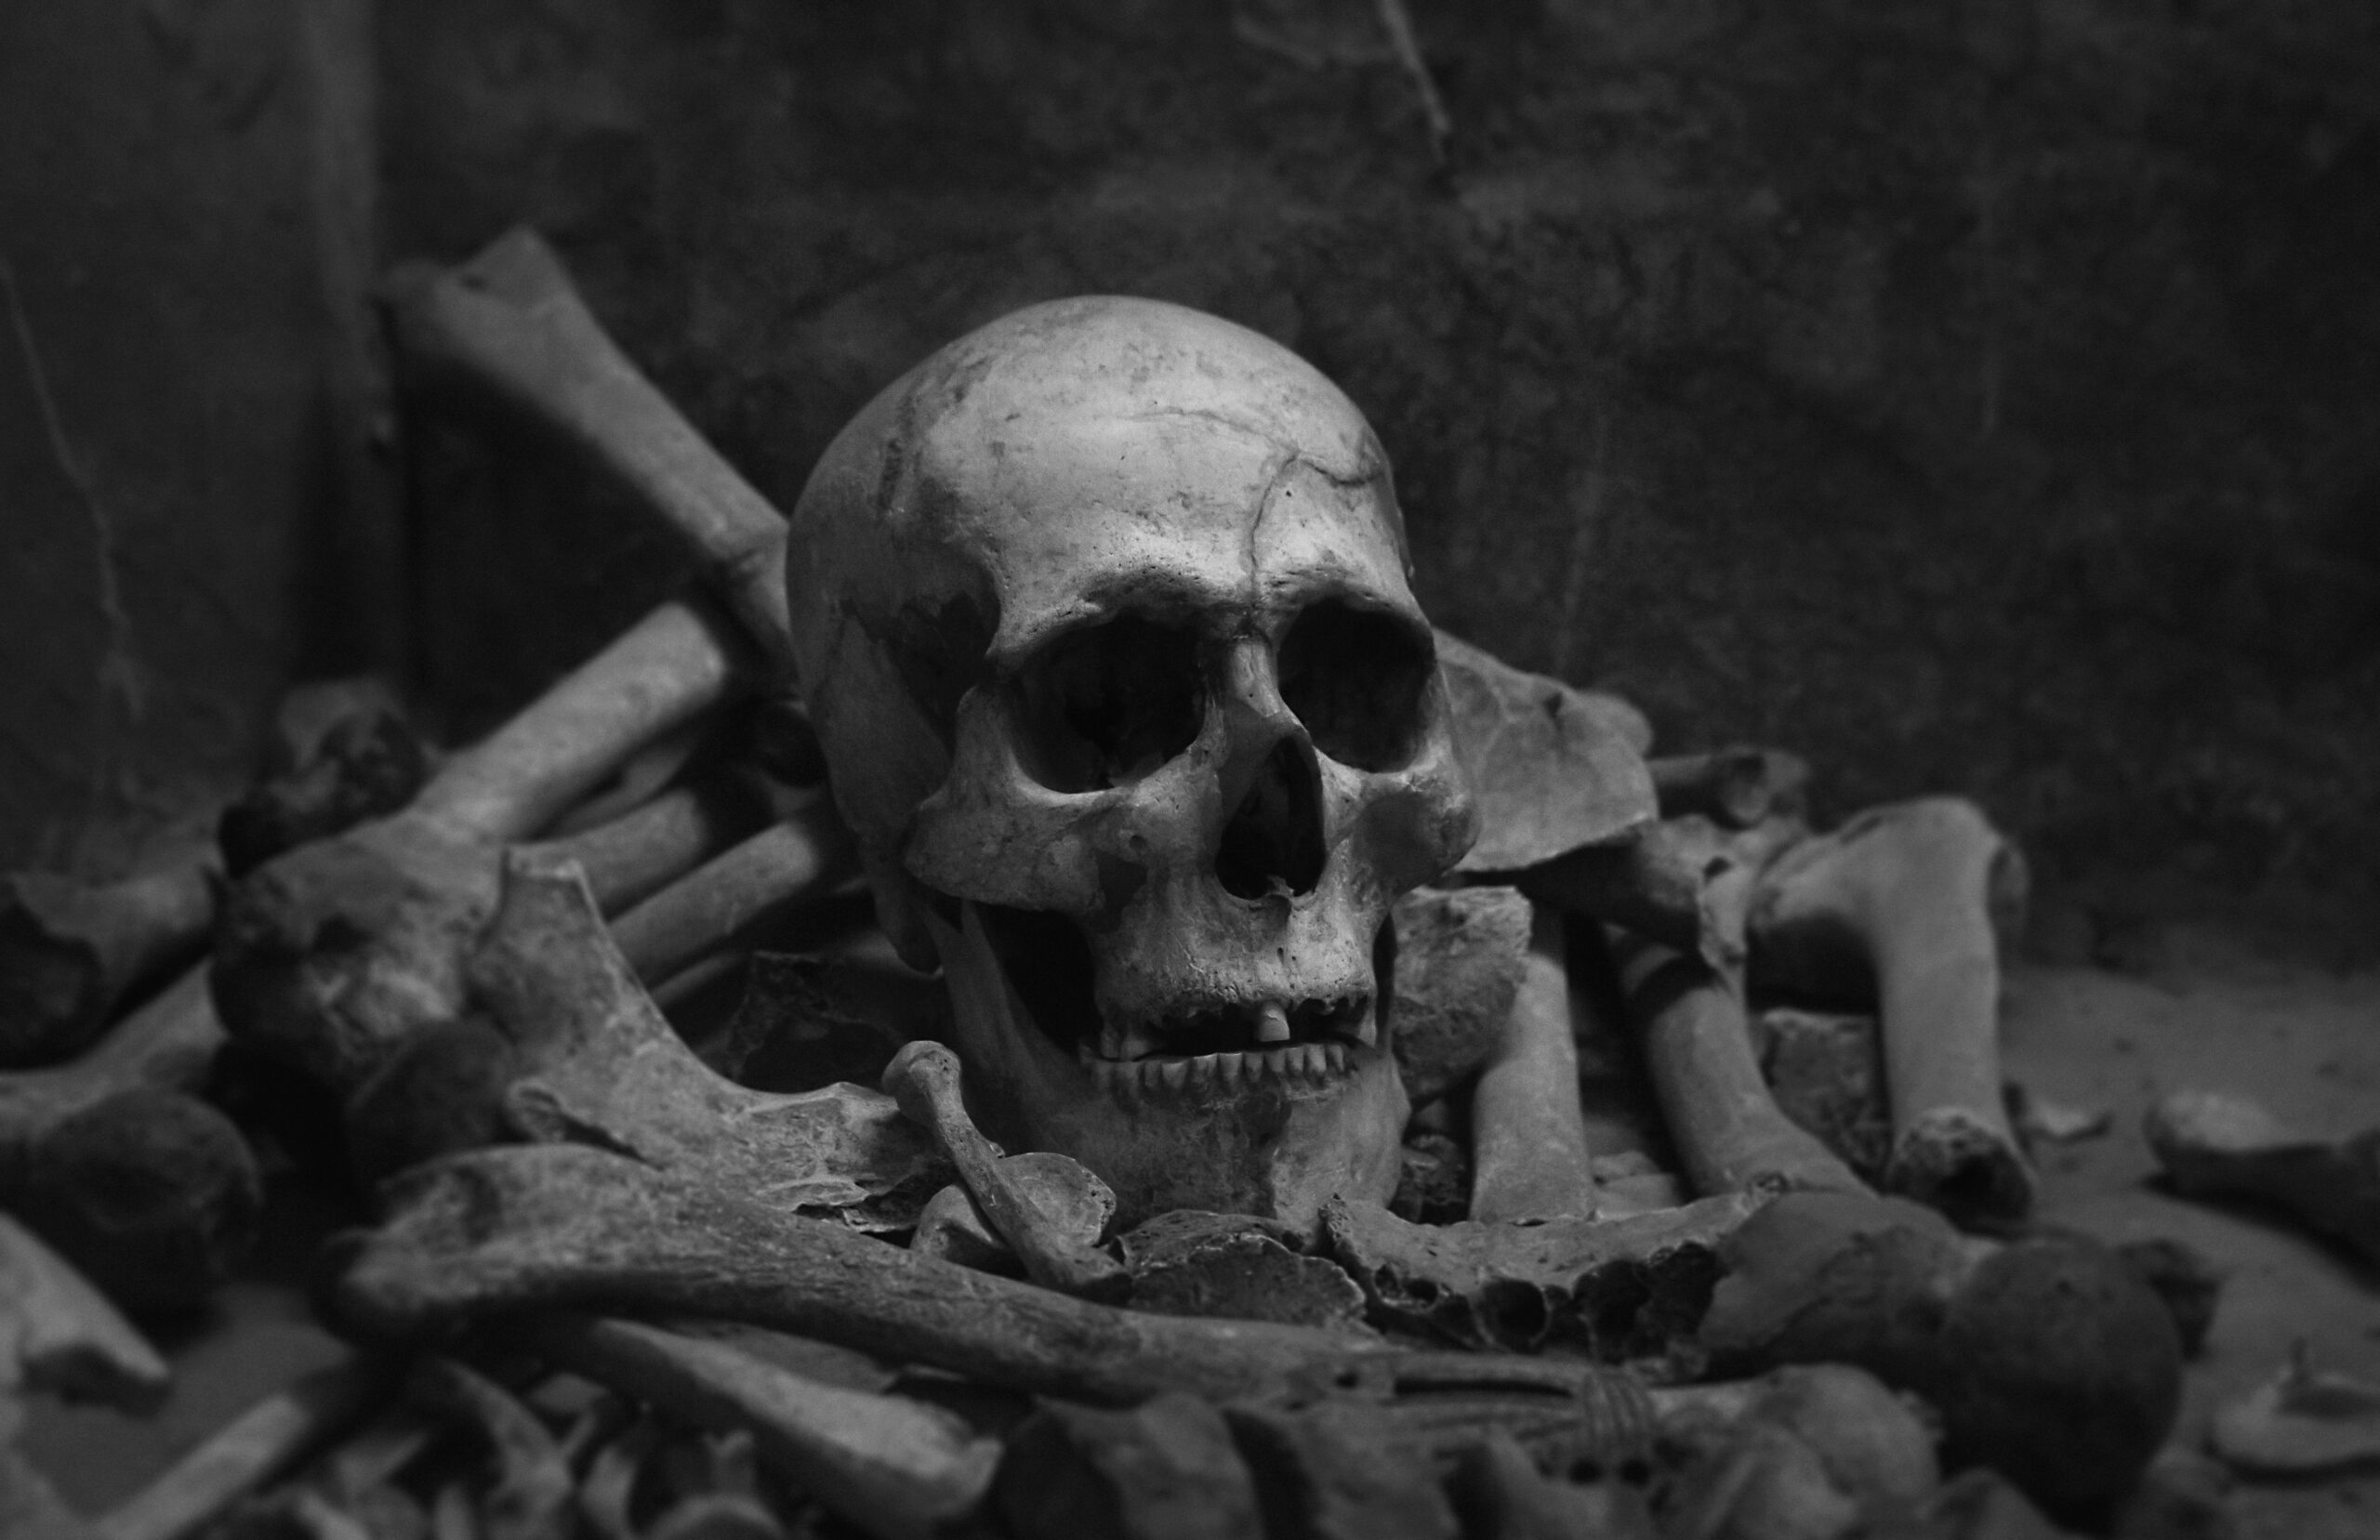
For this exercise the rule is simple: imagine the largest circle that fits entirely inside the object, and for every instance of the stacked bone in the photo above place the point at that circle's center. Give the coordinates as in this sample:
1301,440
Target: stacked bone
468,973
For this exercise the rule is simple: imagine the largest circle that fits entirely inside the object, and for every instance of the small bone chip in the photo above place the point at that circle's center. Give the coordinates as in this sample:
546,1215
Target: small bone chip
2302,1422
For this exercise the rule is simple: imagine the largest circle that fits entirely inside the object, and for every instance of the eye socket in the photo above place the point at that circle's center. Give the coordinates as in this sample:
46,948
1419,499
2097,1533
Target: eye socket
1355,678
1108,705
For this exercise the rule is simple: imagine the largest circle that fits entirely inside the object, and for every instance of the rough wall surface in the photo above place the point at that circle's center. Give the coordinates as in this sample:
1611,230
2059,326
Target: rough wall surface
170,490
1976,397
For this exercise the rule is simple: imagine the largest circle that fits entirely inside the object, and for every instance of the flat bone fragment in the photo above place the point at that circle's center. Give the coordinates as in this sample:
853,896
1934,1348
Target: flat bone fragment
896,1468
1239,1267
545,1226
70,952
1459,956
1613,1287
268,1439
1759,1480
1530,1158
597,1064
2214,1144
510,324
1722,1120
1555,768
531,1496
1911,901
2303,1421
1166,1469
58,1335
1826,1073
329,954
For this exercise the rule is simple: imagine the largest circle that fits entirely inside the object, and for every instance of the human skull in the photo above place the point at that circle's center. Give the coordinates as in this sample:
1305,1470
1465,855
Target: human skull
1102,615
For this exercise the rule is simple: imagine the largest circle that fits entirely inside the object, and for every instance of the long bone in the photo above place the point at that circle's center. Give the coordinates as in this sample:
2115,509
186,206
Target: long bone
896,1468
577,1228
57,1334
330,953
1911,900
509,323
70,952
1013,1190
1530,1157
1698,1048
1738,787
268,1438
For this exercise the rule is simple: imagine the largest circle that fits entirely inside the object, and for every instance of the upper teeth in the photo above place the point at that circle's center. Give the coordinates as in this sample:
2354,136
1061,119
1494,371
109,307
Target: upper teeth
1173,1072
1264,1025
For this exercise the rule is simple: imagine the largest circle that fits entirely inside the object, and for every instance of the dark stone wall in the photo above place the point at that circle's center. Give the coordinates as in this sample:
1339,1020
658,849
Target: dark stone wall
189,508
1976,397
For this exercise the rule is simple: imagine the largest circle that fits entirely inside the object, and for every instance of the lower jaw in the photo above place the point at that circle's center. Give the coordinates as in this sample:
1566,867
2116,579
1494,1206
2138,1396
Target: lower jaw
1274,1144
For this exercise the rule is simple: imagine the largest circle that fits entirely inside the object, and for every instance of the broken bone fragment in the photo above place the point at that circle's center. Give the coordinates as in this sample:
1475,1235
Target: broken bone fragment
2048,1357
2303,1421
1460,952
2215,1144
1613,1288
152,1192
1906,904
1170,762
1238,1266
72,951
1037,1202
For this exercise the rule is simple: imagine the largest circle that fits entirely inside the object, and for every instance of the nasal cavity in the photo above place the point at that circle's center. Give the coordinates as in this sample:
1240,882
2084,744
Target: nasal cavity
1273,841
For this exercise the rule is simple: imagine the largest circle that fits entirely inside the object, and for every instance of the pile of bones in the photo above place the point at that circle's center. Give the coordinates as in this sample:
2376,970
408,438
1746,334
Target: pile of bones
1043,998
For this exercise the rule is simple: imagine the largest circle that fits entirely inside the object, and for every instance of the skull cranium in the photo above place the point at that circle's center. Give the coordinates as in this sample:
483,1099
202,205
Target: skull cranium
1102,615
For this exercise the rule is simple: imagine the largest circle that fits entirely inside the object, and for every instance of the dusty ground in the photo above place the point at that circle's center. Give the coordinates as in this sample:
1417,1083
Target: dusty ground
2192,1005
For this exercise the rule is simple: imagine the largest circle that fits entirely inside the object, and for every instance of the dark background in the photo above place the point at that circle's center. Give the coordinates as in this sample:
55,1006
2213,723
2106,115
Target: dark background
1977,397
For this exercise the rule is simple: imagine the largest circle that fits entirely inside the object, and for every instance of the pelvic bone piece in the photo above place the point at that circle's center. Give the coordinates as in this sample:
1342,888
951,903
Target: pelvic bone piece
1101,614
